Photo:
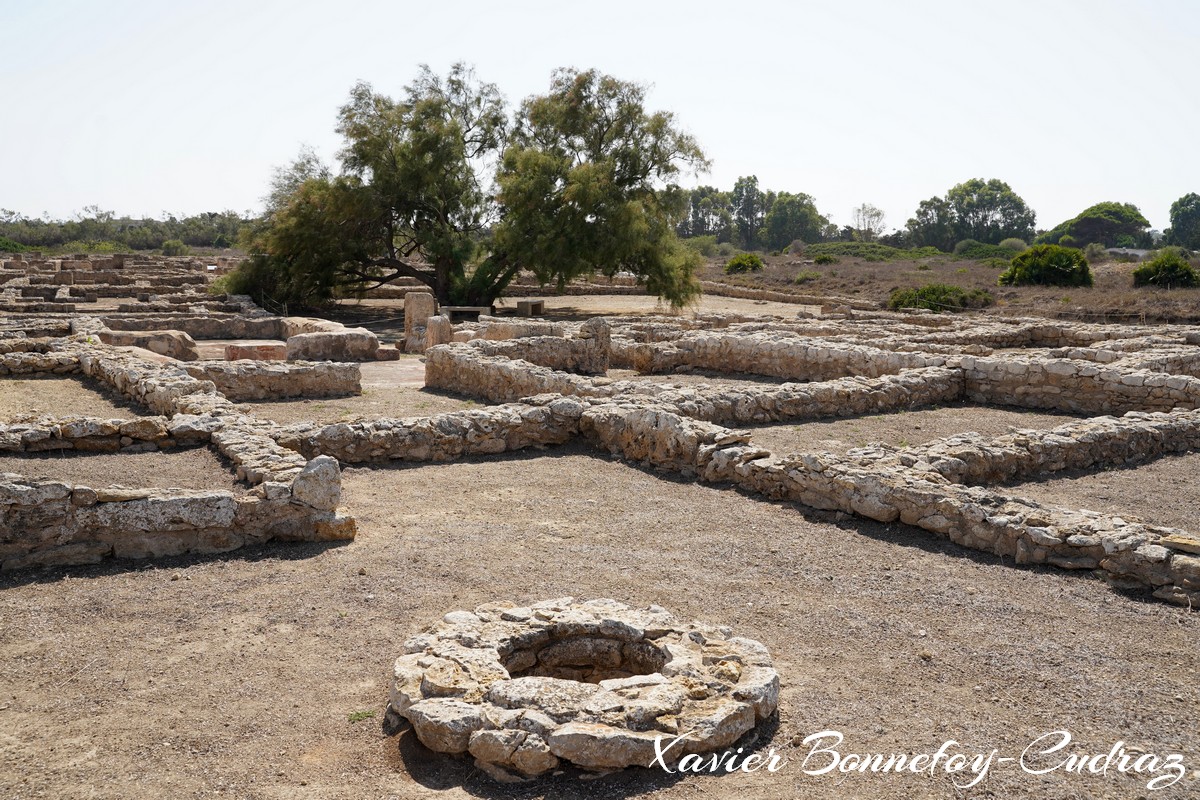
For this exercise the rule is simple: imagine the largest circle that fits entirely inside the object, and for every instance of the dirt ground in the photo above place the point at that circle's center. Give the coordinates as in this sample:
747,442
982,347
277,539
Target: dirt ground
900,429
240,676
1162,492
391,389
60,397
190,468
1112,299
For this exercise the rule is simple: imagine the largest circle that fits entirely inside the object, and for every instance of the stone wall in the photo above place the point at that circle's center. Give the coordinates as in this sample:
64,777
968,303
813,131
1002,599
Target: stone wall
174,344
542,421
1076,386
586,353
257,380
1088,444
776,354
85,434
46,523
52,523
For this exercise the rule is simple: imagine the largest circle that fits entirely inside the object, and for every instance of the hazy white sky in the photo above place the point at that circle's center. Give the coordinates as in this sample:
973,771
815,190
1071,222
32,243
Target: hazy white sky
146,107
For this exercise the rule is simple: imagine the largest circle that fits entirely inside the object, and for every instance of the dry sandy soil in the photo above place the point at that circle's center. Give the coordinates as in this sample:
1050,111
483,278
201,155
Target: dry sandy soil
60,397
240,676
191,468
392,389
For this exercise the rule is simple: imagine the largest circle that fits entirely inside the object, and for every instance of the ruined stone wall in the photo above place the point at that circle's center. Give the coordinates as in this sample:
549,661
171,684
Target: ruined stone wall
86,434
778,355
544,420
256,380
233,326
1127,553
462,369
50,523
586,353
1076,386
174,344
1092,444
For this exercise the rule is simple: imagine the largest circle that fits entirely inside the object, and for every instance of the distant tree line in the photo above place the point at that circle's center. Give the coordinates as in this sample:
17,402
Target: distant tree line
96,229
976,216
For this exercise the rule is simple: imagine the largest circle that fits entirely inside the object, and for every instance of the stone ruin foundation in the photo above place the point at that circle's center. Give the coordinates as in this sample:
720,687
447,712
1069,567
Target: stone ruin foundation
593,685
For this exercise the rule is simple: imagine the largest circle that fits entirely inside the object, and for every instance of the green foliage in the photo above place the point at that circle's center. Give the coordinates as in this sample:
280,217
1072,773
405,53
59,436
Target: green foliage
870,251
978,251
359,716
93,226
1095,252
174,247
9,246
1048,265
99,248
792,217
825,258
1168,270
807,276
986,211
1185,222
1104,222
940,297
923,267
222,241
995,263
704,245
1014,244
746,262
583,186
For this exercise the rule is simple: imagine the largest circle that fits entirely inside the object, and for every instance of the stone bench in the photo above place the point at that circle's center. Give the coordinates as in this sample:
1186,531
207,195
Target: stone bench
531,308
467,313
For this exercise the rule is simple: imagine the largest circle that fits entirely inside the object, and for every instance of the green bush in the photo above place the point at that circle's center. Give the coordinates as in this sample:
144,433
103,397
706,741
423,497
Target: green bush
9,246
704,245
978,251
222,241
796,248
923,267
174,247
996,263
807,275
870,251
825,258
1168,270
1067,241
1016,245
940,297
725,250
746,262
1048,265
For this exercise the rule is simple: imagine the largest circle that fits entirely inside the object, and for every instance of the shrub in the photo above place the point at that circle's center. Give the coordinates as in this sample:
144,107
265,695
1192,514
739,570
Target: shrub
1168,270
704,245
825,258
996,263
923,267
222,241
1048,265
725,250
174,247
1095,252
9,246
796,248
1067,241
870,251
978,251
807,276
940,297
746,262
1016,245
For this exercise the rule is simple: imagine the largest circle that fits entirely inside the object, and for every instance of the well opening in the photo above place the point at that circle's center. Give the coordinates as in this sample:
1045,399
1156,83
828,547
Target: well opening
586,659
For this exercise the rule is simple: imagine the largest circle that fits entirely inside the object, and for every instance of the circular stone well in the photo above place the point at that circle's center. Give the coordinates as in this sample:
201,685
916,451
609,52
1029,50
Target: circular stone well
592,684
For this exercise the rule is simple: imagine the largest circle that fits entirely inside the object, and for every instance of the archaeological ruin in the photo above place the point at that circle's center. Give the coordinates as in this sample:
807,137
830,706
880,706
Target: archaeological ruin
526,690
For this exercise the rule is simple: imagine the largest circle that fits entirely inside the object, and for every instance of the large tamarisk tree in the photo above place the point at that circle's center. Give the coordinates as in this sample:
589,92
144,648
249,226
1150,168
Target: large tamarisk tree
444,187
